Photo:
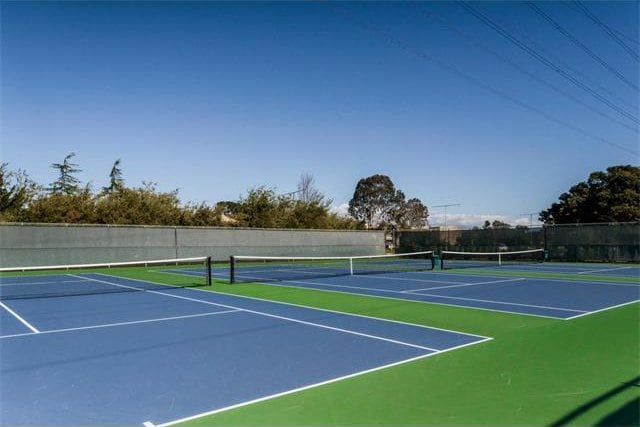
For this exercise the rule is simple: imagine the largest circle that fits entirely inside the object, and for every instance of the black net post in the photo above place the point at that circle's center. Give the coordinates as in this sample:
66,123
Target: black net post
209,266
232,269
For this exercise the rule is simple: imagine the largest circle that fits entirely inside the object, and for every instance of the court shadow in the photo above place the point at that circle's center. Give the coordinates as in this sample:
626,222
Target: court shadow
627,415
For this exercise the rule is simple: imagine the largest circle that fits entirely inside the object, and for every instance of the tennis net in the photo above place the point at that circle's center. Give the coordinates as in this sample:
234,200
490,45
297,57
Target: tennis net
273,269
451,259
89,279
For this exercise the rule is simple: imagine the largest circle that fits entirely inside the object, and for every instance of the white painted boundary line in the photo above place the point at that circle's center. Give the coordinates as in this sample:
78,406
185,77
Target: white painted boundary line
326,309
379,276
583,313
604,270
435,296
317,325
538,279
603,309
225,275
20,319
133,322
519,279
505,303
570,280
360,294
310,386
3,285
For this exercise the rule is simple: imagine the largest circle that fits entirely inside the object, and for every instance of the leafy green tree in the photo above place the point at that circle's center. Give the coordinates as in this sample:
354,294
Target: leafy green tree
497,224
16,191
142,205
66,183
116,182
376,202
258,209
75,208
415,214
200,215
611,196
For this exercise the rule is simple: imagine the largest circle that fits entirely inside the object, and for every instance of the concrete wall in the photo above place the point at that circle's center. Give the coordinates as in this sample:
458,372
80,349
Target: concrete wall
53,244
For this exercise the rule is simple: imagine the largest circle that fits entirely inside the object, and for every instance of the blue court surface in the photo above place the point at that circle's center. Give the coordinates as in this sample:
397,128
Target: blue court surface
158,356
547,297
612,270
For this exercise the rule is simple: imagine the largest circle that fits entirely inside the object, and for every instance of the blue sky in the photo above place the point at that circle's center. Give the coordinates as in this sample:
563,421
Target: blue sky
215,98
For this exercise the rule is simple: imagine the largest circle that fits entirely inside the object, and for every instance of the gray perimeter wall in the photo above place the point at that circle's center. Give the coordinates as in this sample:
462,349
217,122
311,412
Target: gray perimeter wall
53,244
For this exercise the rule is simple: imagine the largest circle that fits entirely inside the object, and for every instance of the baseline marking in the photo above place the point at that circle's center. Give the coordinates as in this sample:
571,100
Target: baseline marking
307,387
20,319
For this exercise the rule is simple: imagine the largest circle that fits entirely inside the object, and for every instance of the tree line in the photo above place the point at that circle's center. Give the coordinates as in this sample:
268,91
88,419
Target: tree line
67,200
609,196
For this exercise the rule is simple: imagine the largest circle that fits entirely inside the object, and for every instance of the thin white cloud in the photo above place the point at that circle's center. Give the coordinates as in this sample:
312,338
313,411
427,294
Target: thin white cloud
341,210
475,220
456,220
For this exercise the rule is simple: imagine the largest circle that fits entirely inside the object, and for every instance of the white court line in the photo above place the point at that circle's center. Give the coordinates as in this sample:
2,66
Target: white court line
360,294
519,279
505,303
40,283
602,309
544,279
322,309
310,386
605,270
446,273
20,319
317,325
438,296
133,322
378,276
369,276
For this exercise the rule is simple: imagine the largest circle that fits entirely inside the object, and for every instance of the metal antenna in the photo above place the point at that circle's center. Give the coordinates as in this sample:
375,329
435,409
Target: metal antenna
445,211
530,214
446,241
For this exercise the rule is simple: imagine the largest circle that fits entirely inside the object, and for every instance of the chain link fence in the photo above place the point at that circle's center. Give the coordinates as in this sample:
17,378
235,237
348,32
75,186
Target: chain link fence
607,242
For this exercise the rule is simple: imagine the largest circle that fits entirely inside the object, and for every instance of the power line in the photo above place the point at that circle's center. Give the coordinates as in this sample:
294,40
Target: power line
504,33
394,41
520,33
606,29
578,43
432,15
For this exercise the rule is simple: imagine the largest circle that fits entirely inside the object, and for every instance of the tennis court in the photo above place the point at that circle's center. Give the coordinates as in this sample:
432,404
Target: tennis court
480,284
88,348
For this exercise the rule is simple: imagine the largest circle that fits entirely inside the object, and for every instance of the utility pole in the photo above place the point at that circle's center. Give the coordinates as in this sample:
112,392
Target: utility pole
445,211
530,214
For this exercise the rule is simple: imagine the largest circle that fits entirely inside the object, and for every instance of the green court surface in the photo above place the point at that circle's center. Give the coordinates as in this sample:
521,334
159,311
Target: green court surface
536,371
